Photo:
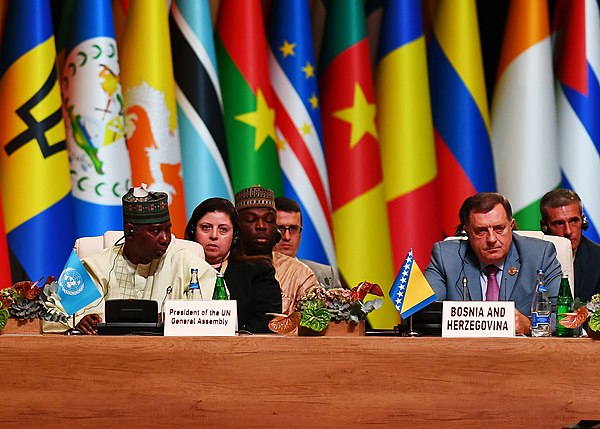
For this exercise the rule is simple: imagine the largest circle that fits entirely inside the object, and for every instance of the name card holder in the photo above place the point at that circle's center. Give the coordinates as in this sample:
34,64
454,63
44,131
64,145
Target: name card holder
200,318
478,319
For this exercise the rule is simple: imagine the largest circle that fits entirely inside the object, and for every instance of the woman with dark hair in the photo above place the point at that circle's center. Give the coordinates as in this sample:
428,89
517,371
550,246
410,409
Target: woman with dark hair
250,280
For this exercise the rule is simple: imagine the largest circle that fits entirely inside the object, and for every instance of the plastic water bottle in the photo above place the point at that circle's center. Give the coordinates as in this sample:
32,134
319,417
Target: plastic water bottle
194,284
541,308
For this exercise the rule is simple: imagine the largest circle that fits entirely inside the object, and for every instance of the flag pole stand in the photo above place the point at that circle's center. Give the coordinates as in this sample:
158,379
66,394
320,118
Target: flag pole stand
411,331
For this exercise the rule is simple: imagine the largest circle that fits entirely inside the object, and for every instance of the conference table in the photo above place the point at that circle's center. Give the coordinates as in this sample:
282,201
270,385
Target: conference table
290,381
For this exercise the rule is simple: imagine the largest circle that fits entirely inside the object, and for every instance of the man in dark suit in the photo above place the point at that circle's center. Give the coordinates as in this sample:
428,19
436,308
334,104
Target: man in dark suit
562,215
493,263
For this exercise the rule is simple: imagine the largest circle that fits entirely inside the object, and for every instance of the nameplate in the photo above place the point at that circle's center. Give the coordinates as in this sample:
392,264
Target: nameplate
478,319
200,318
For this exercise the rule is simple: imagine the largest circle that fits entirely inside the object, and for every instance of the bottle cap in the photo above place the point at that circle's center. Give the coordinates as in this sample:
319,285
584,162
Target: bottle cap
194,270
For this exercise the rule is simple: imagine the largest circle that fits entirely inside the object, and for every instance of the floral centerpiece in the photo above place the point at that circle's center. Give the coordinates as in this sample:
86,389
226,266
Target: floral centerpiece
583,312
26,300
321,305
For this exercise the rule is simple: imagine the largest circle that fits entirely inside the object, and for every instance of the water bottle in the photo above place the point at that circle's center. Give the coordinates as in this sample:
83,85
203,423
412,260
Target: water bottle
541,308
220,291
194,284
564,304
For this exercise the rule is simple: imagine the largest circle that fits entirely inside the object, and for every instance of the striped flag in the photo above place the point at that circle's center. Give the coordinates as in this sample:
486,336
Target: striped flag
578,104
93,114
298,122
406,132
199,104
150,108
352,152
248,99
411,291
524,113
34,166
460,108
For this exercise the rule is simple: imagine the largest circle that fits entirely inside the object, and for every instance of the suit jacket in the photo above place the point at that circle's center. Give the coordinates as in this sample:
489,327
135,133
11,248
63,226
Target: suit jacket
587,269
453,260
323,271
252,284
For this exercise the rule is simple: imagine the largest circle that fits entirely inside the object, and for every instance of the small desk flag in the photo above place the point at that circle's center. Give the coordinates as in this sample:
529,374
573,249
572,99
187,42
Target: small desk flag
76,288
411,291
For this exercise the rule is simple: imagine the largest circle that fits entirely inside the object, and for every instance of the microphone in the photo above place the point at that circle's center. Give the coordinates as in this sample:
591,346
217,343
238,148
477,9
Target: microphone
465,287
162,305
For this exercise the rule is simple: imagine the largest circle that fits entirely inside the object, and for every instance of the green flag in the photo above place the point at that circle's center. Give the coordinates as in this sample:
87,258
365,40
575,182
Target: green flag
248,101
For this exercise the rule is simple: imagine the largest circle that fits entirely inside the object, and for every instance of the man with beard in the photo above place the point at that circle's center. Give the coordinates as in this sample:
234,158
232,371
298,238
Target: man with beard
258,236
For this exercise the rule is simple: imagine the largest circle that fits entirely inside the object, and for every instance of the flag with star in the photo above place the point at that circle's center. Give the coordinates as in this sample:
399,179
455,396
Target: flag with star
360,224
248,100
298,124
34,165
411,291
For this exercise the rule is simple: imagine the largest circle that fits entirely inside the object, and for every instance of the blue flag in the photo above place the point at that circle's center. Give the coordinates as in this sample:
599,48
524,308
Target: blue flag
411,291
292,68
204,158
76,288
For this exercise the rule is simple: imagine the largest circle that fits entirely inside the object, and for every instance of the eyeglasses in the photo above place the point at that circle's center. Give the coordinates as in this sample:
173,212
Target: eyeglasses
292,229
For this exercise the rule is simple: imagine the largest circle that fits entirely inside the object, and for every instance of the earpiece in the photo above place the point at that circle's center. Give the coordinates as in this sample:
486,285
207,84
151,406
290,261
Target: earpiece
584,222
543,227
129,232
277,236
236,237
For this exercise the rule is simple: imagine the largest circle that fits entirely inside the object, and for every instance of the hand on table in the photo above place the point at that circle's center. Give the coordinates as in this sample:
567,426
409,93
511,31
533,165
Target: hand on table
87,325
522,323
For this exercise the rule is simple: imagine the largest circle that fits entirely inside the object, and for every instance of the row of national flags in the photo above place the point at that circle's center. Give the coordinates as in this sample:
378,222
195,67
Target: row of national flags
199,101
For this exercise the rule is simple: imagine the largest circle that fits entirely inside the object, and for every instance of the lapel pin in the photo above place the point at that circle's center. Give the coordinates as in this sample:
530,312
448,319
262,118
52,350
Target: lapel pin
512,271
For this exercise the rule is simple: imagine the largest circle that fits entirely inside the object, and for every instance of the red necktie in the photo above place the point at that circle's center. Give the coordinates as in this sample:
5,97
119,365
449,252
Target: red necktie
493,290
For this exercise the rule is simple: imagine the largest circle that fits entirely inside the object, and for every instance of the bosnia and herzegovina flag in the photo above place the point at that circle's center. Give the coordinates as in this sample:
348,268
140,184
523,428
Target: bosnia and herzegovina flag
460,108
524,113
248,100
199,104
298,122
406,132
353,154
34,166
150,107
93,113
411,291
578,104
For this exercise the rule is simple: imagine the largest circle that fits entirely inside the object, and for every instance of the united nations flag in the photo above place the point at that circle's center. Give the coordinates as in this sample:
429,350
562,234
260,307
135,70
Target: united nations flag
76,288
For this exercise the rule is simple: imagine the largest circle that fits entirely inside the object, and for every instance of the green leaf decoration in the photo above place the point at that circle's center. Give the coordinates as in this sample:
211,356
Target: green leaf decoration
315,318
3,318
595,321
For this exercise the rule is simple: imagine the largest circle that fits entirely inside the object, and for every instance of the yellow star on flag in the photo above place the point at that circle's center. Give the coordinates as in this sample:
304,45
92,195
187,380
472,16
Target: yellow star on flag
287,49
305,129
314,102
361,116
262,119
308,70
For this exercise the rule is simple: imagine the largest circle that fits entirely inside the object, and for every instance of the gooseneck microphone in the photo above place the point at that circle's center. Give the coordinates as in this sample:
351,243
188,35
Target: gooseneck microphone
162,305
465,287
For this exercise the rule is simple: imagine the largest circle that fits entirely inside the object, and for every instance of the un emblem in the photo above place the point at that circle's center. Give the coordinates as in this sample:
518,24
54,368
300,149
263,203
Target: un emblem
70,281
